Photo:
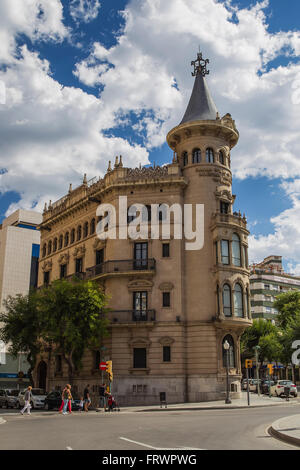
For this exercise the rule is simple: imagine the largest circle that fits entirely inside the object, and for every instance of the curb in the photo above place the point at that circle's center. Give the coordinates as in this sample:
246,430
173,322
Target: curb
201,408
284,437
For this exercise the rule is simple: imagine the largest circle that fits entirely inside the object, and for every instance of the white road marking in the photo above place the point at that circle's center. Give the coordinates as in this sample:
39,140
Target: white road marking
2,421
159,448
69,448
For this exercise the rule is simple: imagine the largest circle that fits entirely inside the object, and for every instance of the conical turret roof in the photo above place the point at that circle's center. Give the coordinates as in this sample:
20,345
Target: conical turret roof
201,105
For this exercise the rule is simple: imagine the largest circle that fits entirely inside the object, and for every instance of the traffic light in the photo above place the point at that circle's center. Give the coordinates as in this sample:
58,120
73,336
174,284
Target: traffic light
248,363
109,370
270,367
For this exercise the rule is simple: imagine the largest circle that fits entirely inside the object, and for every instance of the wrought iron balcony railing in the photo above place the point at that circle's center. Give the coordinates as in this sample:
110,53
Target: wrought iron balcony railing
120,266
127,316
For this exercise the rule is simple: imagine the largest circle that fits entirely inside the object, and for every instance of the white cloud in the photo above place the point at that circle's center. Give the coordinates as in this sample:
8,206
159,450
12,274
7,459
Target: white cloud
37,19
84,10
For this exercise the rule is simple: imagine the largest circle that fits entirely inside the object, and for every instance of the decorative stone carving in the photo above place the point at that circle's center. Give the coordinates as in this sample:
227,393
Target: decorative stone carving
47,265
140,284
64,258
166,286
79,251
166,341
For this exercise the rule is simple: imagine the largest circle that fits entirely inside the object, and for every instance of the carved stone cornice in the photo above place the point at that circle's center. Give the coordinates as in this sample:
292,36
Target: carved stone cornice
166,286
64,258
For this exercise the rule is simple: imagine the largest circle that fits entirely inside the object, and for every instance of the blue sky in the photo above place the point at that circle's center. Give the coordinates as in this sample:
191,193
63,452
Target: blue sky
88,80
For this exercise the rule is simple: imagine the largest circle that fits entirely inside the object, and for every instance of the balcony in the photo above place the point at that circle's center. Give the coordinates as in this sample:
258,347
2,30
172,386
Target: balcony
80,276
129,316
231,219
131,267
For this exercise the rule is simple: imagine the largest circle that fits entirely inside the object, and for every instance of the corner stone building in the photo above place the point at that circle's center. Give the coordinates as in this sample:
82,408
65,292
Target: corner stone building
172,309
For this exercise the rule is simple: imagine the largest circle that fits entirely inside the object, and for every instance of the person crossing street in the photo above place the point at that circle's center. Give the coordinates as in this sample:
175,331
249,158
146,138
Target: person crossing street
27,399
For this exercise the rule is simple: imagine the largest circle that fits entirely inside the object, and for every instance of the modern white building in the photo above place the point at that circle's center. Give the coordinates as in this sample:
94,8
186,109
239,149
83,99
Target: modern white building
19,253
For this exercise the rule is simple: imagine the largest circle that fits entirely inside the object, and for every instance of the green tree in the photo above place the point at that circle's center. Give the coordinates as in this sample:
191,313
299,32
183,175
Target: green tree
288,307
252,336
21,328
73,318
270,347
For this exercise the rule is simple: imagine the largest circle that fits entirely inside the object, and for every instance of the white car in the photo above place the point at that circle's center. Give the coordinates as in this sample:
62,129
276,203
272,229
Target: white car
38,396
278,388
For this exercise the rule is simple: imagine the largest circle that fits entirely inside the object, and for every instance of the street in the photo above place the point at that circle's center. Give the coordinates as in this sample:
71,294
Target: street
232,429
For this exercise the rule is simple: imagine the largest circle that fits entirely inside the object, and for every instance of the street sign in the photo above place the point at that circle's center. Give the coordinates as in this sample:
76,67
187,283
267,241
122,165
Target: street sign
102,365
248,363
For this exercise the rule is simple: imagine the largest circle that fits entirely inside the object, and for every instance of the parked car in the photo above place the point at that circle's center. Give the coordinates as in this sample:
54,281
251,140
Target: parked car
54,399
278,388
253,385
12,398
37,400
265,386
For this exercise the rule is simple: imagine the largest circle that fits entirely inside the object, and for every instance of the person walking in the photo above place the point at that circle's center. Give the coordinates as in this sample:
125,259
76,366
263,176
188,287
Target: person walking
86,397
65,395
27,399
103,394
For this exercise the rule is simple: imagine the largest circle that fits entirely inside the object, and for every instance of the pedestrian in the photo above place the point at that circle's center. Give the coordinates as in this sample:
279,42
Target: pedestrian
27,399
62,400
70,398
81,404
103,395
65,395
86,397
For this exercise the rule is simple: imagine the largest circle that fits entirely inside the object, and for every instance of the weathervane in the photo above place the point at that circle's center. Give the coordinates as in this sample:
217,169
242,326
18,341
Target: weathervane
200,65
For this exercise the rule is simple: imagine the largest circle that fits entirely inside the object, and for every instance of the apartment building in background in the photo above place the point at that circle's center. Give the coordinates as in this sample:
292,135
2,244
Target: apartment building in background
267,280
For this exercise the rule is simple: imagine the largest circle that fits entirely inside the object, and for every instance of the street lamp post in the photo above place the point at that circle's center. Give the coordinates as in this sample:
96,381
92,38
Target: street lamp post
257,374
226,347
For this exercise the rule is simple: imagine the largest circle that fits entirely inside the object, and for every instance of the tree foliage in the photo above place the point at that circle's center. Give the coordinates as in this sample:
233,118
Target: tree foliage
69,316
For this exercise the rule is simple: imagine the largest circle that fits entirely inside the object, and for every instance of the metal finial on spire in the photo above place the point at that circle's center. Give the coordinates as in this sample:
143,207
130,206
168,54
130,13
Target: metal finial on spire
200,65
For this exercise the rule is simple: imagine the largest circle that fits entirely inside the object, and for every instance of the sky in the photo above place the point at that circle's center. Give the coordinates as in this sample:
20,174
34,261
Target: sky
82,81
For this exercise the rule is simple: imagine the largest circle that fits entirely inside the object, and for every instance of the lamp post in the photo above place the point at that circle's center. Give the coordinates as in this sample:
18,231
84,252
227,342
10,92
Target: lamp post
257,374
226,347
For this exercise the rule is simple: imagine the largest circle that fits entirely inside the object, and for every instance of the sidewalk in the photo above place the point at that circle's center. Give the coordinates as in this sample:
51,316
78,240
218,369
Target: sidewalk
287,429
255,401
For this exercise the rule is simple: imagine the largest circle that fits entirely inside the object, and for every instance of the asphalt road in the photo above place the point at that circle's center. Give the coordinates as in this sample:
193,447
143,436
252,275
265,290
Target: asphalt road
204,430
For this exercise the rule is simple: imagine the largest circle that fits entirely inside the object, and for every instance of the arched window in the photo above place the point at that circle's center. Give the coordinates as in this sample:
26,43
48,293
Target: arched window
228,355
227,300
218,300
55,245
73,235
85,229
209,155
60,242
221,158
247,303
79,232
93,225
44,250
185,158
67,239
49,247
236,250
196,156
238,301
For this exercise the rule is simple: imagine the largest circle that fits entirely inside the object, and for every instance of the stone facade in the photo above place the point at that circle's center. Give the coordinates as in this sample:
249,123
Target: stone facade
174,342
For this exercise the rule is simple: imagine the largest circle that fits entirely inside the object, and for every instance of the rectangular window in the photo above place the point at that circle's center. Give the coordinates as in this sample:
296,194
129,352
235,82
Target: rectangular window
245,256
63,270
216,251
167,353
166,299
78,267
141,255
99,256
46,278
58,363
140,301
139,358
166,250
267,287
225,251
224,207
